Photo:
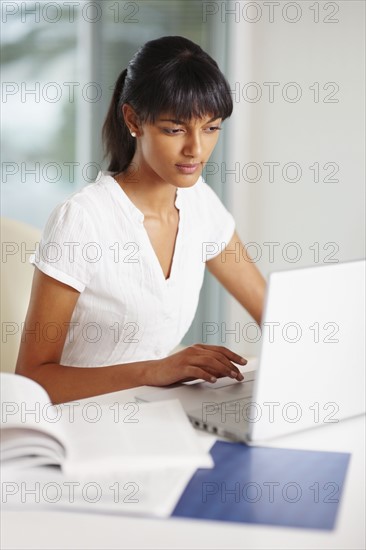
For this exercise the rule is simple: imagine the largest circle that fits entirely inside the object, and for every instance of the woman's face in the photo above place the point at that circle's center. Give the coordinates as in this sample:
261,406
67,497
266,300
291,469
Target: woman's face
175,151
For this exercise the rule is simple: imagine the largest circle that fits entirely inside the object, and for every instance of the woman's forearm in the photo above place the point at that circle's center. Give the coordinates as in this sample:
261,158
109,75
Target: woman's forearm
65,383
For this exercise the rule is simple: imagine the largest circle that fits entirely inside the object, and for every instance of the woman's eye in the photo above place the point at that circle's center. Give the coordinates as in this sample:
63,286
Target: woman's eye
172,131
175,131
212,129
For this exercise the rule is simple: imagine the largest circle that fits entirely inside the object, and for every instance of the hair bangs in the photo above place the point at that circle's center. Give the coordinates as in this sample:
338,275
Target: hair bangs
191,92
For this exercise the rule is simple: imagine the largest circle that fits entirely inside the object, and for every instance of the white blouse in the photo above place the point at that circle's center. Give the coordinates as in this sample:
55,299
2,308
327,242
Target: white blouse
127,311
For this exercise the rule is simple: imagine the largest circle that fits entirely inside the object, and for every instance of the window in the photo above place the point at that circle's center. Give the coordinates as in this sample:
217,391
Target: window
60,61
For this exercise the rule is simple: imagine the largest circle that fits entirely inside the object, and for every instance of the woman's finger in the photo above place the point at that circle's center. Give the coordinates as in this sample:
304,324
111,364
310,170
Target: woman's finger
225,351
224,365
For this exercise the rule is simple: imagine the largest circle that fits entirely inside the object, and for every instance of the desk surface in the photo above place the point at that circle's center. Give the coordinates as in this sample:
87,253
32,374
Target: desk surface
62,530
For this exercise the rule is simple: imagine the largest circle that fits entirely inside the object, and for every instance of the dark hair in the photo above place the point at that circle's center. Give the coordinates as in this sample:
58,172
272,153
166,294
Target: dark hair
170,74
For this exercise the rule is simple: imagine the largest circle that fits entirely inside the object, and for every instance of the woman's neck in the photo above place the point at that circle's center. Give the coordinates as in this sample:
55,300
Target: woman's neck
153,196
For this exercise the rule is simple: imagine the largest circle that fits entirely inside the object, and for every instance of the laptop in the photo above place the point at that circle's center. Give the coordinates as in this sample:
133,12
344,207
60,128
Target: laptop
311,366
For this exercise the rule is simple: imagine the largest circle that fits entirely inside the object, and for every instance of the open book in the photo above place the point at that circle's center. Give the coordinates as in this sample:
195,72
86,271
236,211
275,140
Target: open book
149,448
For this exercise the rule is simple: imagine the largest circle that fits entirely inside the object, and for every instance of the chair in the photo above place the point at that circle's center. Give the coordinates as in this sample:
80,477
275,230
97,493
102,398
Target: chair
18,240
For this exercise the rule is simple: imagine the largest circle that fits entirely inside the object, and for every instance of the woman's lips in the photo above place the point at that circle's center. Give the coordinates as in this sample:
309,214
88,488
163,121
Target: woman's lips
187,168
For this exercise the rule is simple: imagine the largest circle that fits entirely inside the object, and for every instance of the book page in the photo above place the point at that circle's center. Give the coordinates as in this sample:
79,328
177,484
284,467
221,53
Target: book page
29,443
109,440
148,493
26,409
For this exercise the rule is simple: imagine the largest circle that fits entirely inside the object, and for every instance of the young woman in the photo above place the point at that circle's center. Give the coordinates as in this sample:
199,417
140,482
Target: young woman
121,262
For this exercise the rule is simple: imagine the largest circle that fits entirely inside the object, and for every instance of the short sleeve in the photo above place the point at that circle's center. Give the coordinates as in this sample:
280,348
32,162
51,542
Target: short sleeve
220,222
68,250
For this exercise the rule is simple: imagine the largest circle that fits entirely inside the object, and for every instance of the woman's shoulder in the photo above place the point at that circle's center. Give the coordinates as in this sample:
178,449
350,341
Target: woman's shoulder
93,193
84,210
88,199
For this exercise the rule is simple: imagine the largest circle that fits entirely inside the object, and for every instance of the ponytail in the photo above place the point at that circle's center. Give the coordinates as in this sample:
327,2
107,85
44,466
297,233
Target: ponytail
118,143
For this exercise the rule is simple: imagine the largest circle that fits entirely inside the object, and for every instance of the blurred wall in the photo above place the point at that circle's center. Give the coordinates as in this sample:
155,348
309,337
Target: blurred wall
295,140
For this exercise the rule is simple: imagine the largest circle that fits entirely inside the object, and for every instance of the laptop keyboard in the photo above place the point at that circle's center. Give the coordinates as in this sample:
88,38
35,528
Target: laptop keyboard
227,381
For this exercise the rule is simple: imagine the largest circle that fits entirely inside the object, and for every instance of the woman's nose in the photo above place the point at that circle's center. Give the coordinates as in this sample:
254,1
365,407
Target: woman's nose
193,146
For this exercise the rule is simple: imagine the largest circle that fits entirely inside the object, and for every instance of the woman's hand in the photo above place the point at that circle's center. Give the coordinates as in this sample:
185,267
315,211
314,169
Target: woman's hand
195,362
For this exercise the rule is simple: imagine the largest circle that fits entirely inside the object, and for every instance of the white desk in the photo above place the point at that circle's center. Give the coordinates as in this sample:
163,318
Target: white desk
66,530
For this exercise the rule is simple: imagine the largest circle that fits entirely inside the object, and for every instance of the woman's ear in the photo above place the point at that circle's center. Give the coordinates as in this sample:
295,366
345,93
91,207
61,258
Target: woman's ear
131,119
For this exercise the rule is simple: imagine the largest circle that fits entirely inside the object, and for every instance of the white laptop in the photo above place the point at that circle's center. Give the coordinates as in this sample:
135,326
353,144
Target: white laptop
311,369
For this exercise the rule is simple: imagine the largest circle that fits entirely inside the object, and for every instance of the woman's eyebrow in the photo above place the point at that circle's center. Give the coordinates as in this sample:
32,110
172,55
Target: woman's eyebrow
174,121
171,120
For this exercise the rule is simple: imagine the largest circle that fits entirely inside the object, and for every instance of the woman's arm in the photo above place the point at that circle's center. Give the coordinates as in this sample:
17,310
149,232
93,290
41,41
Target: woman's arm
238,274
39,355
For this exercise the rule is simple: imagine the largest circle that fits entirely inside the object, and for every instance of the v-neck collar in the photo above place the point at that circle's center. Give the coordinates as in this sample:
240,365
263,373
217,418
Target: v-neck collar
155,259
139,217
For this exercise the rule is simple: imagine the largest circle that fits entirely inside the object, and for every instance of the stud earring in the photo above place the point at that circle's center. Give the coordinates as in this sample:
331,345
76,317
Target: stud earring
133,134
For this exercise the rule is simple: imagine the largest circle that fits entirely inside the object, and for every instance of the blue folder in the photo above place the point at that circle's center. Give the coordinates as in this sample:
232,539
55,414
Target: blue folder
267,486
